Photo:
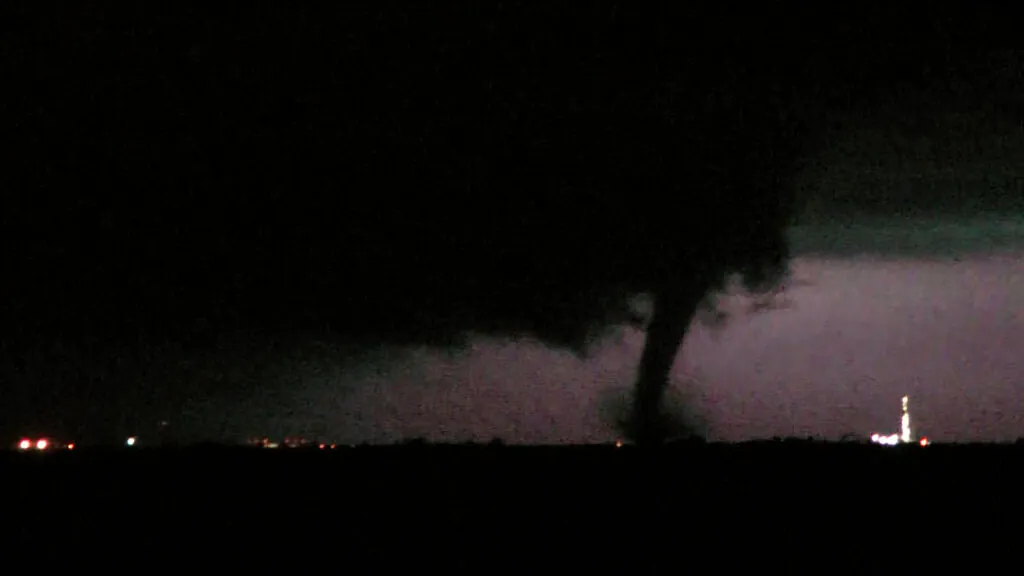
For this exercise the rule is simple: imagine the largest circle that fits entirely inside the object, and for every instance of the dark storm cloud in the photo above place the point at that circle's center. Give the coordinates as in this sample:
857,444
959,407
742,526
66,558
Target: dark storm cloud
264,181
951,160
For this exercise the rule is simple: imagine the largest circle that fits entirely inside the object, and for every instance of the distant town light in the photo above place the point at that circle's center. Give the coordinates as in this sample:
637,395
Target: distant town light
924,441
25,444
42,444
71,446
130,441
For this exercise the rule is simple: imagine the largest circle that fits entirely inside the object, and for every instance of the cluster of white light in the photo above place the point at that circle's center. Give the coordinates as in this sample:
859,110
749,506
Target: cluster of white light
890,440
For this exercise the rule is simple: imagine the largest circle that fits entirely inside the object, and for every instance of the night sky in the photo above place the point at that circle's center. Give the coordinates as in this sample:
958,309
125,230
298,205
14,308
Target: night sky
183,180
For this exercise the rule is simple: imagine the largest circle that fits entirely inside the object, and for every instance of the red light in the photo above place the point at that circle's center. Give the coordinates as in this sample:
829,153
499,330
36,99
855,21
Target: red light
322,446
25,444
42,444
924,441
71,446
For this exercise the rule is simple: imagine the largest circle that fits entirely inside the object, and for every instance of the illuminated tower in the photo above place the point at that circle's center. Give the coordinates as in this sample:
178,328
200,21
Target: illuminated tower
905,422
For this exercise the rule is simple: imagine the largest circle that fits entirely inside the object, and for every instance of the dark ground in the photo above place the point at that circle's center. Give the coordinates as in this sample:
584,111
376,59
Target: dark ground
778,505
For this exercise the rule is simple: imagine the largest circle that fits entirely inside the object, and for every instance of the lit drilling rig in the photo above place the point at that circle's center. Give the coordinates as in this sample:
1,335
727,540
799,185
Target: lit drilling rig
905,436
905,421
